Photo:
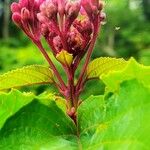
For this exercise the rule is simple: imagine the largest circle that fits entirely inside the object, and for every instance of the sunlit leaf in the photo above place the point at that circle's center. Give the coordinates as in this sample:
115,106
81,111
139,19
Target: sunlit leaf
36,125
120,122
10,103
132,70
104,65
29,75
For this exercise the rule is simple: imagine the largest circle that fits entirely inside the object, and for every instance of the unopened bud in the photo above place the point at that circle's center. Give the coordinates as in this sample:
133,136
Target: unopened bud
41,18
84,27
61,7
26,3
48,9
75,42
102,16
73,10
25,14
44,29
57,43
15,7
16,18
101,5
87,6
51,10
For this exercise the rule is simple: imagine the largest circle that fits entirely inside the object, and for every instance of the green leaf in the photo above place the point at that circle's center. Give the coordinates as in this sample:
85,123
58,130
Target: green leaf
104,65
118,122
10,103
115,121
65,57
29,75
132,70
36,126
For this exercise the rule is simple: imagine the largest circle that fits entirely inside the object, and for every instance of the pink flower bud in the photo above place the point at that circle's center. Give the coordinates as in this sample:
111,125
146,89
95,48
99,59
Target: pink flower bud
44,30
74,42
42,18
51,10
57,43
16,18
15,7
87,6
102,16
24,3
101,5
84,27
48,9
25,14
95,2
61,7
92,8
73,10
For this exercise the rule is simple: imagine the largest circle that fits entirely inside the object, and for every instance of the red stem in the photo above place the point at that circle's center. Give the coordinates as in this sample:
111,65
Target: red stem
52,66
89,53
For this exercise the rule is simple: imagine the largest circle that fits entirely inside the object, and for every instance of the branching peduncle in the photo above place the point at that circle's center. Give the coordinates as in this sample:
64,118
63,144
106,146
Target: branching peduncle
70,28
52,66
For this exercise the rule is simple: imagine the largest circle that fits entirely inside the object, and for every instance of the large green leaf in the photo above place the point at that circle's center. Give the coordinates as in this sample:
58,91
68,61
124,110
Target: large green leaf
122,123
10,103
132,70
38,125
29,75
104,65
118,120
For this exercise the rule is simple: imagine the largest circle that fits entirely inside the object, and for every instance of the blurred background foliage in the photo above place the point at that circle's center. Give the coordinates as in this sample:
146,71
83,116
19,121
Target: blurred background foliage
125,33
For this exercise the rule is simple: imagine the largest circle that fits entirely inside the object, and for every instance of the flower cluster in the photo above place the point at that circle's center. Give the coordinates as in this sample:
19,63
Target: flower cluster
66,25
25,16
70,28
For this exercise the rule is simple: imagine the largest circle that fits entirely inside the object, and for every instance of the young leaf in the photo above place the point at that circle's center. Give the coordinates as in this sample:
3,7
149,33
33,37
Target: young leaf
64,57
119,122
104,65
132,70
29,75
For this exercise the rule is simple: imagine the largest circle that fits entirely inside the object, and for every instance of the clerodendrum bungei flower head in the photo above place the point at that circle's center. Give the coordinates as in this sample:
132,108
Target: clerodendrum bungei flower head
70,27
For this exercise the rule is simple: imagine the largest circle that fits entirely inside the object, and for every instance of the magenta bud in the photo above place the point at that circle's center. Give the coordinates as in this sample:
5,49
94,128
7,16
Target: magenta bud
25,14
73,10
84,27
15,7
95,2
61,6
44,29
41,18
24,3
102,16
57,43
94,9
51,10
87,6
16,18
48,9
100,5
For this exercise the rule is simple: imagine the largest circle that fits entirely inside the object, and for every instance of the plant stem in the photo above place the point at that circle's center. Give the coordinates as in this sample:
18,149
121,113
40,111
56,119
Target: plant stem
52,66
89,53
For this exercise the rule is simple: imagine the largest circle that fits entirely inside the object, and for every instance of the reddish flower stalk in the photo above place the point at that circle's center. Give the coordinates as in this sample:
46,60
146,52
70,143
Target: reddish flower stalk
69,27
